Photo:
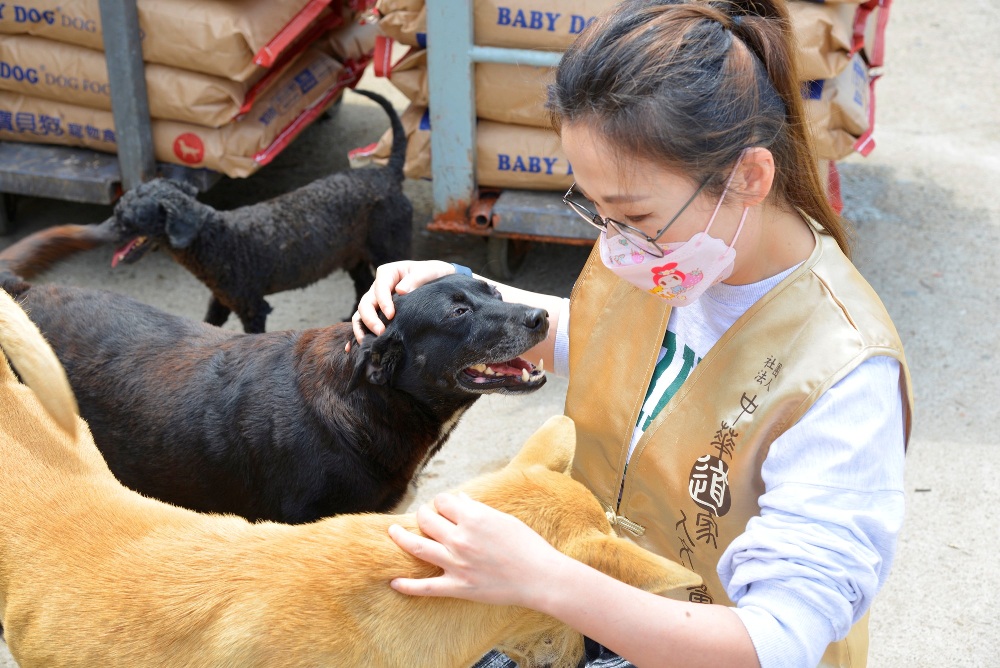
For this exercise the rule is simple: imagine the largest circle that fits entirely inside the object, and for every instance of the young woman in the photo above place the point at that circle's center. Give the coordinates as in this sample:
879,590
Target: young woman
740,394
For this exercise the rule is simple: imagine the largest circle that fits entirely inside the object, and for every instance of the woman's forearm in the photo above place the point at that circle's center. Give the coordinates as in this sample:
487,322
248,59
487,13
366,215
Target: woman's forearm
646,629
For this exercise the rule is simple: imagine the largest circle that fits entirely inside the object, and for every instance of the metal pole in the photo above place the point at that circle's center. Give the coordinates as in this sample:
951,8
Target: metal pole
129,103
452,106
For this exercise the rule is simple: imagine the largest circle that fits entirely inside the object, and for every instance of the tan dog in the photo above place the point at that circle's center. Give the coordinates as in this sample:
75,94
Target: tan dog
93,574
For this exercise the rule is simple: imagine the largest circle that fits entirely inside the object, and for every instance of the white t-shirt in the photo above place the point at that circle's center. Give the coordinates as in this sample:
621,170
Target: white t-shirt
807,568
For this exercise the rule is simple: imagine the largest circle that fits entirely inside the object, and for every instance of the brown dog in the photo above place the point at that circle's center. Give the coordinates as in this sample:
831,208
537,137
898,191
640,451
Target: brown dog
282,426
94,574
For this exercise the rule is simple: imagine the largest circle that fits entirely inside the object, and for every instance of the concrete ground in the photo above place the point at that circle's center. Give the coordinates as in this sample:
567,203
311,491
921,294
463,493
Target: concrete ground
928,226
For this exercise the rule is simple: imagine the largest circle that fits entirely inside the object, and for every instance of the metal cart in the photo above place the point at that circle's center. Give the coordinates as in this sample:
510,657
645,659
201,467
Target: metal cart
510,219
83,175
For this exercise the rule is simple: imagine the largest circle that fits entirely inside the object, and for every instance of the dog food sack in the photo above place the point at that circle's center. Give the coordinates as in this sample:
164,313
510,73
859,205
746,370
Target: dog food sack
839,111
404,21
824,34
507,156
353,41
504,93
236,149
516,156
416,122
74,74
524,24
227,38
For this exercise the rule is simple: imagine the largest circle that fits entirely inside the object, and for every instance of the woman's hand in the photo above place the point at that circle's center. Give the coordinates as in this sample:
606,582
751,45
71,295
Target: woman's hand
401,277
486,555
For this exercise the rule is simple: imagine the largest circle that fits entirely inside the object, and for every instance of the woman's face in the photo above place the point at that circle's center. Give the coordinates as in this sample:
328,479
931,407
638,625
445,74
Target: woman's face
637,192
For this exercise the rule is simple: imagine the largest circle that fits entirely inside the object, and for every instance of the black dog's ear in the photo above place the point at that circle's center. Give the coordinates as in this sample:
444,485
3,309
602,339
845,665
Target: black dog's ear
183,216
382,358
378,356
180,230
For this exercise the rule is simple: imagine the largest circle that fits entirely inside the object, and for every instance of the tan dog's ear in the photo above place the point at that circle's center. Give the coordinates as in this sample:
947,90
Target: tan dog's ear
551,446
37,365
633,565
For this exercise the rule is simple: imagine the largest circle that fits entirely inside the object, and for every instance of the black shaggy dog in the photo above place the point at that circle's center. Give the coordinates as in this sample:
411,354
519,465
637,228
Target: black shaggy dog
350,220
284,426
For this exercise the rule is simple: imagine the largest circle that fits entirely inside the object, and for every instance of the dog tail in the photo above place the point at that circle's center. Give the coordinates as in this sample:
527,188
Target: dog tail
397,155
37,252
37,365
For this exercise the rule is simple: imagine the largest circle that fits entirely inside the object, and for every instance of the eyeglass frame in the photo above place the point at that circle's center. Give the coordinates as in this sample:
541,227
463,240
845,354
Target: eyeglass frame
601,223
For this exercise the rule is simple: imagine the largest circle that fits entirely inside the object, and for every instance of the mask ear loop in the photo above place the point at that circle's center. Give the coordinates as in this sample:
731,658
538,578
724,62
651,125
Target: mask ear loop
746,209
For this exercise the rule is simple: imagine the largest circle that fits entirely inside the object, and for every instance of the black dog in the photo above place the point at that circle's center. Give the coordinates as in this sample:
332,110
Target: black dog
282,426
350,220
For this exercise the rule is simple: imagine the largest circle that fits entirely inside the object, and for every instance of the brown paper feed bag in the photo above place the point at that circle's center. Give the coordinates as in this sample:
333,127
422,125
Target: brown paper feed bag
62,72
838,111
354,40
237,149
507,156
404,24
534,24
824,38
521,24
505,93
416,124
220,37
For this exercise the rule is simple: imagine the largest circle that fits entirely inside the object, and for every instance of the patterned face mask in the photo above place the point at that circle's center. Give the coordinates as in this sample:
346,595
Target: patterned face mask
687,268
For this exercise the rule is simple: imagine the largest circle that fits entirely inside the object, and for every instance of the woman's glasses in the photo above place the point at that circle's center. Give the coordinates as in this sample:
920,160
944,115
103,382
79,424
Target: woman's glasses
636,237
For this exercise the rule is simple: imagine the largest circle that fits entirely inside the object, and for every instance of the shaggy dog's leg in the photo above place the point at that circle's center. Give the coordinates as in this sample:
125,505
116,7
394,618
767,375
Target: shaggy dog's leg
363,278
254,317
217,313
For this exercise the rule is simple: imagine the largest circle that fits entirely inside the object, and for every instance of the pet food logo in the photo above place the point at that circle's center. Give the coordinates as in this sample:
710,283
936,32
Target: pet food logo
46,17
531,164
18,73
306,81
189,148
19,14
536,20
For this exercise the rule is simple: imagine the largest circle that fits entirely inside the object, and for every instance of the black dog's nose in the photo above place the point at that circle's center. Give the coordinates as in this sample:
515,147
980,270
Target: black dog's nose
535,318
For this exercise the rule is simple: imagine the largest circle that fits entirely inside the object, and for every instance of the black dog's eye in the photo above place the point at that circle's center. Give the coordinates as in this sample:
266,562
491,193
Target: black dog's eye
459,311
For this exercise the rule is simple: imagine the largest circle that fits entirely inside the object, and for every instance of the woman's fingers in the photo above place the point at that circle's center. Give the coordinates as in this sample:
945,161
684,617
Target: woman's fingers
387,277
395,277
438,586
359,332
425,549
454,507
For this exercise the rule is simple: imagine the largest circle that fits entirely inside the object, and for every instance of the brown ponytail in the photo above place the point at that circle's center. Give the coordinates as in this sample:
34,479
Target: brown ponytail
690,85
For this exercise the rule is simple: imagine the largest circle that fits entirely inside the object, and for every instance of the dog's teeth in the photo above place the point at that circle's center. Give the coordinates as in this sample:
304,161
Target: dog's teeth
489,372
481,368
541,365
524,375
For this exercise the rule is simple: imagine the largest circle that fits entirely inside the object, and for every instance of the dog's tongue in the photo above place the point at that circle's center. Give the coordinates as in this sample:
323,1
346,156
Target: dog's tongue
123,251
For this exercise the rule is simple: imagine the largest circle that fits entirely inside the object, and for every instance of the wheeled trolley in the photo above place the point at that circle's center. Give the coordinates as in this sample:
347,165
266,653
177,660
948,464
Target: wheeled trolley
510,219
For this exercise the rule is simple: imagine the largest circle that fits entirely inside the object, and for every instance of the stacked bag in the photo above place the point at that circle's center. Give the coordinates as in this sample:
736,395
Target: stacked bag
839,47
229,83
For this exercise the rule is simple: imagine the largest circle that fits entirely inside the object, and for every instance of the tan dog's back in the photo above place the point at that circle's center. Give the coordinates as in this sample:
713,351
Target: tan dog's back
93,574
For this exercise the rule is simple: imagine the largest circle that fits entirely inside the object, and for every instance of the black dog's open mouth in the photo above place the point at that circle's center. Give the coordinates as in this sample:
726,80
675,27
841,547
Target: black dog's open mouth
516,375
131,251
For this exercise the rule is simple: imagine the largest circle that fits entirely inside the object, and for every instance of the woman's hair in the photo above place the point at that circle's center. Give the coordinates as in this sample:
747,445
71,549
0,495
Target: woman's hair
689,85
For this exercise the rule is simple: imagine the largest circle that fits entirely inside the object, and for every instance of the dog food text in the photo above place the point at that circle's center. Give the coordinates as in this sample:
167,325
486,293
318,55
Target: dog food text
43,124
536,20
531,164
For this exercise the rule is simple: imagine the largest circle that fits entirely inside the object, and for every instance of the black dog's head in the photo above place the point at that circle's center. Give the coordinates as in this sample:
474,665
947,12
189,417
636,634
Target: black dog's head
157,211
455,337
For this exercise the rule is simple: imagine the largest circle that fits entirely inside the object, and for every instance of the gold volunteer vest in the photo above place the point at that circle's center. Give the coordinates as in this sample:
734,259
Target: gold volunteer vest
694,478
